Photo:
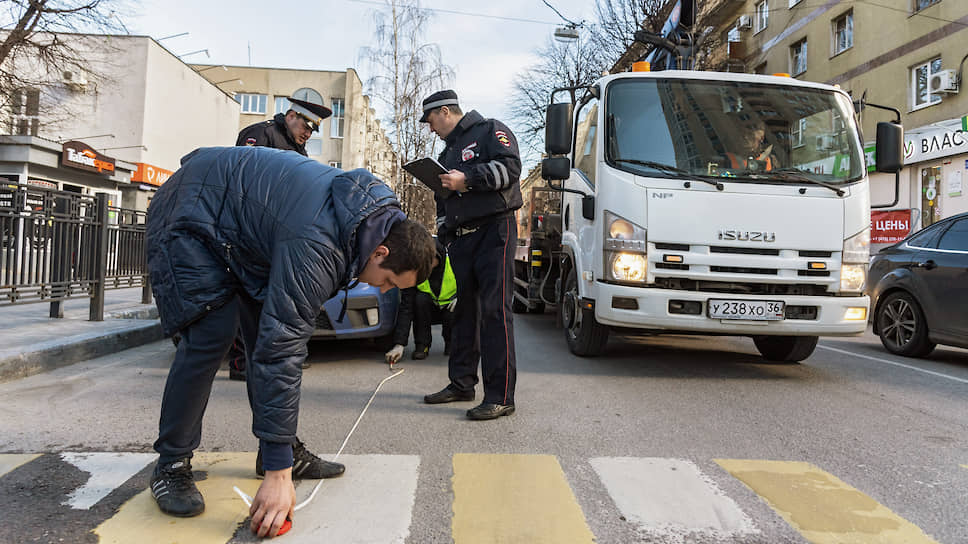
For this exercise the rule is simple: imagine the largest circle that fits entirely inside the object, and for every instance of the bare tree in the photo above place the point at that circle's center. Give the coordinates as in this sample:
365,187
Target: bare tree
45,54
618,20
405,70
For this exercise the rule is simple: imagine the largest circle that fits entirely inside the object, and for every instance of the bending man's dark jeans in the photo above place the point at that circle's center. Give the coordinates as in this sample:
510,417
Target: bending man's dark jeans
425,313
203,345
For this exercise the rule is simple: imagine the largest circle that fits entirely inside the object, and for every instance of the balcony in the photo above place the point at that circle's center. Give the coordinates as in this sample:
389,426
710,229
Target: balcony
717,12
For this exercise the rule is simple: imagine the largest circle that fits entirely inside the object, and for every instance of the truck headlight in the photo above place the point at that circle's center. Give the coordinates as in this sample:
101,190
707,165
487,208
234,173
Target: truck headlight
625,246
855,257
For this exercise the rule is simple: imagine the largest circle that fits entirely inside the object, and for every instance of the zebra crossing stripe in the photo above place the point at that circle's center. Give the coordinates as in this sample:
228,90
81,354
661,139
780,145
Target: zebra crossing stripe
372,502
107,471
10,461
514,498
824,509
140,520
671,498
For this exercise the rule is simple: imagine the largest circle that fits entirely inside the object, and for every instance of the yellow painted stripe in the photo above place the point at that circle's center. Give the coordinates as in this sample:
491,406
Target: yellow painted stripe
964,466
10,461
140,520
824,509
511,499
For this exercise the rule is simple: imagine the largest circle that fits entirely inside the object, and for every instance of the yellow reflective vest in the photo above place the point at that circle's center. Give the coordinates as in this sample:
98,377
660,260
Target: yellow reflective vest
448,286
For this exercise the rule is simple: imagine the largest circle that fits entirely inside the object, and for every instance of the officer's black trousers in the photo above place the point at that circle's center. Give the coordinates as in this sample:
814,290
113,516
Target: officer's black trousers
483,265
203,345
425,313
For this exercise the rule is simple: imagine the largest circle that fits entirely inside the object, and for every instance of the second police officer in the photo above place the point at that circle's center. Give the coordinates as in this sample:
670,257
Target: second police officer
477,223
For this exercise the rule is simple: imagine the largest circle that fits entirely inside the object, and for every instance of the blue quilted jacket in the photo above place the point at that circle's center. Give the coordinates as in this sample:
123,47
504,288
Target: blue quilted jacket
287,230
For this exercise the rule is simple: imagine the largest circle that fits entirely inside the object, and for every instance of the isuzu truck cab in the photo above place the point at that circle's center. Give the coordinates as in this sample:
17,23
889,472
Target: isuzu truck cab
712,203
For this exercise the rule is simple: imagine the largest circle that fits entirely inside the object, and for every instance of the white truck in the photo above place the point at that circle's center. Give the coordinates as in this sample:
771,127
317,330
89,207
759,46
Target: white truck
672,221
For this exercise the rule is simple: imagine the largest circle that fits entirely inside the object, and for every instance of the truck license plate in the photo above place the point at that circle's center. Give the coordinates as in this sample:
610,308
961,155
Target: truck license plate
756,310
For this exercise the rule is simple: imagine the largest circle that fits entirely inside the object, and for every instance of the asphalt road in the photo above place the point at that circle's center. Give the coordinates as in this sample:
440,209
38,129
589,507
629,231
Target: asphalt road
662,439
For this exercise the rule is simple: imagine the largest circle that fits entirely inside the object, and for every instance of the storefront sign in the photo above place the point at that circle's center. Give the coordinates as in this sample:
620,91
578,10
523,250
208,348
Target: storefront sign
870,156
935,143
150,174
889,227
83,157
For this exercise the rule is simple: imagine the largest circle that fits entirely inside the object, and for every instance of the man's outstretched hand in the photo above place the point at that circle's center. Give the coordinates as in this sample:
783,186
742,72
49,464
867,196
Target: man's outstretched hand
394,354
273,503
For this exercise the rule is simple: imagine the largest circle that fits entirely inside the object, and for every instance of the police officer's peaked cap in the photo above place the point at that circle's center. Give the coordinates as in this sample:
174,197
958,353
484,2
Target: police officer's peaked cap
310,111
436,100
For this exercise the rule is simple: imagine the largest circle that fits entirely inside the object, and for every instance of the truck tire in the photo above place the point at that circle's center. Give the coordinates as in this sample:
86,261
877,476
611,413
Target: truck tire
787,349
902,327
585,336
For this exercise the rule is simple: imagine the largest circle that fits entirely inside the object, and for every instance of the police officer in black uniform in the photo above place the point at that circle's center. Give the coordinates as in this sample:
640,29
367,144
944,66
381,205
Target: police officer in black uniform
290,130
477,219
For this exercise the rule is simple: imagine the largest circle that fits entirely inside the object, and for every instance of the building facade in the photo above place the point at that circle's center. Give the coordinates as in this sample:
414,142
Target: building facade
137,119
351,138
908,55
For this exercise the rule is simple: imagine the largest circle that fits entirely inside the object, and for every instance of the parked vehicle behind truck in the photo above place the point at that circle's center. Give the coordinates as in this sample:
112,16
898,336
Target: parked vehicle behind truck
669,224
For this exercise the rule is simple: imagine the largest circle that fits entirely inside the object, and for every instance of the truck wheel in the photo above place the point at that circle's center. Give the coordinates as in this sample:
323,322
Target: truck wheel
902,327
585,336
789,349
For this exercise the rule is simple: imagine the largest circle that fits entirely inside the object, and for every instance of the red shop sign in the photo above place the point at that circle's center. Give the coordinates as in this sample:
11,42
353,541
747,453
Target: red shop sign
890,227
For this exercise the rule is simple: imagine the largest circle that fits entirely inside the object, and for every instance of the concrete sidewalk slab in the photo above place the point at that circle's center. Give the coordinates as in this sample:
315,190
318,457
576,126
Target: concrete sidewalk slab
31,342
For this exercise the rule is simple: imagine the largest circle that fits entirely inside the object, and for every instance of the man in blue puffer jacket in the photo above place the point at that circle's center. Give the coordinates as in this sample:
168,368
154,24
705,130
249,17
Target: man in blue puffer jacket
259,238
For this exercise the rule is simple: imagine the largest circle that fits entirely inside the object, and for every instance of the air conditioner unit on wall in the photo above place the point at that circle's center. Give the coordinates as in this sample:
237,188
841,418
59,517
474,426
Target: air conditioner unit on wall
745,22
826,141
945,81
75,80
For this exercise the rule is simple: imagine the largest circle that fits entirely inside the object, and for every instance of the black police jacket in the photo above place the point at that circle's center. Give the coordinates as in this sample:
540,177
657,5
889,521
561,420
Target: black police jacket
271,133
286,230
486,152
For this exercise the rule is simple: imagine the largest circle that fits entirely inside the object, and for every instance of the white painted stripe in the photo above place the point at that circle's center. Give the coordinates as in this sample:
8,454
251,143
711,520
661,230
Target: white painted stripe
372,502
902,365
107,470
670,499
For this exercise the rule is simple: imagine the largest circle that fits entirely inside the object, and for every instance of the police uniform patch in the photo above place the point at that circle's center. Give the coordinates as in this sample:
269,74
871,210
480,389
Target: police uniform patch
250,141
467,153
503,138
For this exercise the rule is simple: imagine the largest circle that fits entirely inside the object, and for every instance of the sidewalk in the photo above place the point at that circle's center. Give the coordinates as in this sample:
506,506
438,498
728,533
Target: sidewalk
31,342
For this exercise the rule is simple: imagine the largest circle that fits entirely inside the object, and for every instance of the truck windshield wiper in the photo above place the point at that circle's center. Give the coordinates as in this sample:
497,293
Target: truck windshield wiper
789,173
669,169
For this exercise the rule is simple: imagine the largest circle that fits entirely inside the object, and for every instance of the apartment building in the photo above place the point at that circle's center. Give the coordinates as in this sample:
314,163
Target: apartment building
908,55
351,138
123,132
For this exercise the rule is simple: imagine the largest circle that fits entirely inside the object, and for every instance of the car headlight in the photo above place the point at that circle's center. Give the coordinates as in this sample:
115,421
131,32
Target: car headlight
856,256
625,249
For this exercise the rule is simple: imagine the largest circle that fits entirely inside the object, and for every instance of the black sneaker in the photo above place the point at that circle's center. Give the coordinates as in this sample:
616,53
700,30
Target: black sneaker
420,352
305,465
173,488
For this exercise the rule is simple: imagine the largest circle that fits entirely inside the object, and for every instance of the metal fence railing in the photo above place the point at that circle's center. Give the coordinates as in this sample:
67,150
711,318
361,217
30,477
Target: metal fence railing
57,245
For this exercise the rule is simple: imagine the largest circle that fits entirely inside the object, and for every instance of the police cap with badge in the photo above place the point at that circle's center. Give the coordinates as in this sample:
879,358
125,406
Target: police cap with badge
437,100
310,111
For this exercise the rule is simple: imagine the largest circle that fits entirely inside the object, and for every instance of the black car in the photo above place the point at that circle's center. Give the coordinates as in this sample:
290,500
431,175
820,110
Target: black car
919,289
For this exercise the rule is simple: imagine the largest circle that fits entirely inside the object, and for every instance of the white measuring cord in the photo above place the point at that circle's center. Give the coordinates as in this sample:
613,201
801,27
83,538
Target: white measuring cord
248,500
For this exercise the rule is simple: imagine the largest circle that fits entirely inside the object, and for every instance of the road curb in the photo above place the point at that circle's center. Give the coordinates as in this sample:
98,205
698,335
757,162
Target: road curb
77,349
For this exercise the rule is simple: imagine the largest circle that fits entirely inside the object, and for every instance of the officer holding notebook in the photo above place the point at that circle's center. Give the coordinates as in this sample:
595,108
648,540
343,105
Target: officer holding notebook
476,220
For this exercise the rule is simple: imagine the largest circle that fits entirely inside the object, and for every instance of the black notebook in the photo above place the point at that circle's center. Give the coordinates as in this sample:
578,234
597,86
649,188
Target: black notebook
428,171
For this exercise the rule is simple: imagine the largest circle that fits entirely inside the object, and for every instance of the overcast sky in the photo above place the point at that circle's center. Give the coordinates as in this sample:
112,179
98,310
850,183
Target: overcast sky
486,47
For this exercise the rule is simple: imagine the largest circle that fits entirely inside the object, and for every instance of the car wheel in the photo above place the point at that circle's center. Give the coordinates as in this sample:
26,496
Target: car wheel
902,326
786,349
585,336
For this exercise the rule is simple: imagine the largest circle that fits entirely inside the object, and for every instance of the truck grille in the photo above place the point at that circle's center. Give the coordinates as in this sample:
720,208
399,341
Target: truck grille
742,288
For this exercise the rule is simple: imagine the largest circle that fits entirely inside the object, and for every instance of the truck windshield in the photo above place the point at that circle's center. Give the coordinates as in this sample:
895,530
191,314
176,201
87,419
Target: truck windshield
745,131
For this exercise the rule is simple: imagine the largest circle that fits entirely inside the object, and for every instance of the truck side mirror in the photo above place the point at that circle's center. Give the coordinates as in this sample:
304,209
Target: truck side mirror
558,129
556,168
889,150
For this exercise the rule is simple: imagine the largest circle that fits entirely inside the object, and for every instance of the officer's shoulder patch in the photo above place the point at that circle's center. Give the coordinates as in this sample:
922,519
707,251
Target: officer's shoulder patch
250,141
503,138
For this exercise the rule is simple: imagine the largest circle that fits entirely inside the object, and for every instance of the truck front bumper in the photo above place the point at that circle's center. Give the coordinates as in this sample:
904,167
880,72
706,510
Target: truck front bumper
654,313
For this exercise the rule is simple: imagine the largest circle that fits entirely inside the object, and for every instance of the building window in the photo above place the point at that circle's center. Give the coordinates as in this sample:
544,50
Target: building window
25,107
921,4
920,76
336,164
336,120
314,146
843,28
282,104
797,131
252,103
798,57
309,95
761,16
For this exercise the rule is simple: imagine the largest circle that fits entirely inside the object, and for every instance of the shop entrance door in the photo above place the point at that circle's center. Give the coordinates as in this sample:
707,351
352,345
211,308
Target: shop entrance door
930,195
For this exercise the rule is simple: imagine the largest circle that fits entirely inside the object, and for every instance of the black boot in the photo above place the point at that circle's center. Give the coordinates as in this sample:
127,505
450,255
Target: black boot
173,487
